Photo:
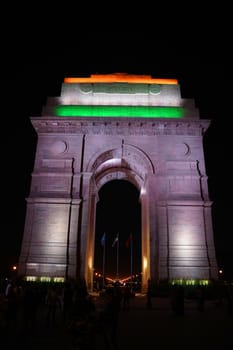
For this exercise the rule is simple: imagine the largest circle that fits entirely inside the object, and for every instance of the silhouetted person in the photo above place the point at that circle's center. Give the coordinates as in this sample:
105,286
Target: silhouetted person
30,303
200,299
52,302
149,295
67,301
82,318
12,296
229,299
110,318
177,300
126,295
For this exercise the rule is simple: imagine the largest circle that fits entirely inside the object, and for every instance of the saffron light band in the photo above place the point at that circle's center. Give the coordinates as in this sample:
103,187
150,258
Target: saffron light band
120,78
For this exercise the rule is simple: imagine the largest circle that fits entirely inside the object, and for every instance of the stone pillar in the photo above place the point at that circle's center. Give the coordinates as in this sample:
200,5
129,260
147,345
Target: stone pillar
72,244
26,242
145,242
86,259
213,268
163,242
44,252
153,239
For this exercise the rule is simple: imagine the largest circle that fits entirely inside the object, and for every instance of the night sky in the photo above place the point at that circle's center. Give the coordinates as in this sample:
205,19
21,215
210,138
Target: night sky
32,70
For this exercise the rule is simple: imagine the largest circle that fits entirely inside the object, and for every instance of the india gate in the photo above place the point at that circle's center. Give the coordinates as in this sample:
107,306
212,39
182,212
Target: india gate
119,126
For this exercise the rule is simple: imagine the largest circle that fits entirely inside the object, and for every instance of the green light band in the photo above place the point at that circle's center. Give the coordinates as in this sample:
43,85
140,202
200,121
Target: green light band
119,111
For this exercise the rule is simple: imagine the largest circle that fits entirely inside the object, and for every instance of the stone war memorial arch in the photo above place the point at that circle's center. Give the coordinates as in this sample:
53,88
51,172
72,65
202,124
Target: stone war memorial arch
119,127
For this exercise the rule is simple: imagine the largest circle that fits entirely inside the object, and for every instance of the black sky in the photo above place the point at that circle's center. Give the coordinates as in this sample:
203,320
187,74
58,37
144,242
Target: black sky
33,69
118,215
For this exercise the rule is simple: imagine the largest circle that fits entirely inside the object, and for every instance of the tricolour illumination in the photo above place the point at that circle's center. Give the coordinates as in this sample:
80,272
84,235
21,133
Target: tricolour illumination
120,78
119,111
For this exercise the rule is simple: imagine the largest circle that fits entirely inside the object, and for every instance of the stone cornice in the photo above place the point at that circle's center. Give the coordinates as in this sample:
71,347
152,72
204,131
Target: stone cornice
108,126
187,202
53,200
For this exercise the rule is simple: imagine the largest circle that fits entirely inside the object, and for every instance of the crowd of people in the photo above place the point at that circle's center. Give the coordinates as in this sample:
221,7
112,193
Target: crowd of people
68,305
83,316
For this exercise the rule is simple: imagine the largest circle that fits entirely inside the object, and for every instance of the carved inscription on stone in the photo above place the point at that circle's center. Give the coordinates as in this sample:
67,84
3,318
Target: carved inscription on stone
120,88
54,184
50,164
103,158
181,218
184,186
50,223
181,167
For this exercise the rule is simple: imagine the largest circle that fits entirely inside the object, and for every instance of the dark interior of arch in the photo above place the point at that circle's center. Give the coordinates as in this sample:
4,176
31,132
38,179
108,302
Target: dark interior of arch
118,211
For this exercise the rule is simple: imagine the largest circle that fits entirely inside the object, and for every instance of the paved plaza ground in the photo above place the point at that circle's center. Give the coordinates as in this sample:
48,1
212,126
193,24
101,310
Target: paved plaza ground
160,329
139,328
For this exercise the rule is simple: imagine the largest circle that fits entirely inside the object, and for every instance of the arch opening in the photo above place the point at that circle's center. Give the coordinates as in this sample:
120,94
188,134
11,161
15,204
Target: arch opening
118,212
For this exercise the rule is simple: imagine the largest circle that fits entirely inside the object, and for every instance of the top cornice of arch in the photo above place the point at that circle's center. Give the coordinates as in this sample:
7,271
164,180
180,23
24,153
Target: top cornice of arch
101,126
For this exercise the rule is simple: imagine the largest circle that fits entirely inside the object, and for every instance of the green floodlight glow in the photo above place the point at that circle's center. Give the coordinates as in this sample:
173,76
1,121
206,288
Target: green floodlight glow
119,111
44,279
190,282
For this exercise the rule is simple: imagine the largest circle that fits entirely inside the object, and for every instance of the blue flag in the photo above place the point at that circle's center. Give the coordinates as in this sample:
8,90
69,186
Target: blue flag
103,239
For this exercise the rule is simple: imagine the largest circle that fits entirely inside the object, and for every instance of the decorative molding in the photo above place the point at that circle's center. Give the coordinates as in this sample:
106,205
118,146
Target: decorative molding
131,127
184,202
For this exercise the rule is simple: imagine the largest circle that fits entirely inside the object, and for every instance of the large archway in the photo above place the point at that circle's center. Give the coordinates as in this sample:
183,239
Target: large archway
99,130
131,165
118,211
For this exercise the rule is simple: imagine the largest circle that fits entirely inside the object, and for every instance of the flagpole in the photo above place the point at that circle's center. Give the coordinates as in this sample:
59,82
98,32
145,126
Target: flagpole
103,243
104,266
117,269
131,262
116,242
